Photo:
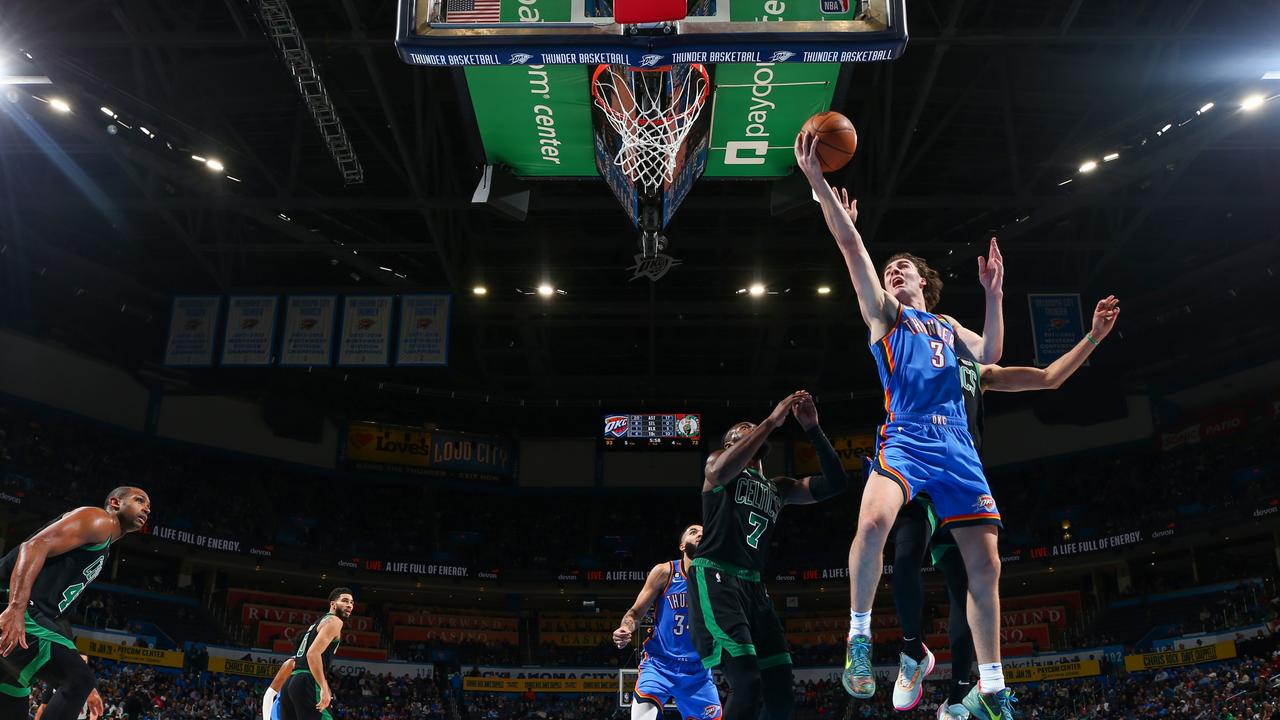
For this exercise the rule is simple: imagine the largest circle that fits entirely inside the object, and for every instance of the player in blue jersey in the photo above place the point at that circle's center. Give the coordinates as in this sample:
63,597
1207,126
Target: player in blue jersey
924,445
670,667
271,698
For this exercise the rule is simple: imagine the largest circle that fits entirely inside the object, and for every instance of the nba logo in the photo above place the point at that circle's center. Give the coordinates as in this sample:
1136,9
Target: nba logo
615,425
832,7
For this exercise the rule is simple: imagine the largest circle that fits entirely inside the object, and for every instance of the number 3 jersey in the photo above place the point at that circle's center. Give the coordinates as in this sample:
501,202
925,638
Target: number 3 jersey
738,520
670,638
917,364
61,581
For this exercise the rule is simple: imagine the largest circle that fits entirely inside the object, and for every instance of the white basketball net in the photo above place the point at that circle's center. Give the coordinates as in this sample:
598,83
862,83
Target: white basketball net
652,112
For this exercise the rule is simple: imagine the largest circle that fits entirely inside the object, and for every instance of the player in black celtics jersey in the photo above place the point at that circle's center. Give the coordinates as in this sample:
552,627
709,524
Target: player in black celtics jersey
735,626
43,578
306,696
917,525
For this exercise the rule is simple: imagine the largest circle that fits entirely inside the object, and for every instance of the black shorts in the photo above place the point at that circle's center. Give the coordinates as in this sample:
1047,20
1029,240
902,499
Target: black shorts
730,611
47,649
299,696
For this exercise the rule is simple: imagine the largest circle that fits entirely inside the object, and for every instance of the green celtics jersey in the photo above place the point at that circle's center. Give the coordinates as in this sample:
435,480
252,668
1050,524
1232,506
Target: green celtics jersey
62,579
300,657
738,520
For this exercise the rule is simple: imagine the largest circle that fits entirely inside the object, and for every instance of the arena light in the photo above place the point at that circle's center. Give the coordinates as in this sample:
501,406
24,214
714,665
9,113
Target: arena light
199,159
1253,102
824,290
479,290
546,290
1165,129
215,165
234,179
756,290
1065,182
384,268
1271,75
63,107
1110,156
1089,166
108,112
1205,108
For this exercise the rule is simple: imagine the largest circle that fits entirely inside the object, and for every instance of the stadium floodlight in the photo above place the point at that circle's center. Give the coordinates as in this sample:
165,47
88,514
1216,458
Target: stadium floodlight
756,290
1089,166
1205,108
479,290
1110,156
546,290
1252,102
60,105
108,112
824,290
215,165
1271,75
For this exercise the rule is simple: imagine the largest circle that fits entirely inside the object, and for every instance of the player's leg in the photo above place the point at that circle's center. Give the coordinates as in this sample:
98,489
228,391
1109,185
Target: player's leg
747,696
15,703
696,695
303,695
881,499
62,668
989,699
952,567
911,535
720,620
653,687
777,684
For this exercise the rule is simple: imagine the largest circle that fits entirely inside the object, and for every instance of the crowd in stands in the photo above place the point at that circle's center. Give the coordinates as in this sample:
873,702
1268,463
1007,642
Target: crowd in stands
257,502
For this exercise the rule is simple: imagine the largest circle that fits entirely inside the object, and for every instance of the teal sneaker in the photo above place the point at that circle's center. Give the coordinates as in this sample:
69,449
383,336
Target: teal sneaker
990,706
858,680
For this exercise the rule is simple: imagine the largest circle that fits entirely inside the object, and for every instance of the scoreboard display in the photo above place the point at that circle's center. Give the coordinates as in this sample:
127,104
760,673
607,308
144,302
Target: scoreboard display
662,430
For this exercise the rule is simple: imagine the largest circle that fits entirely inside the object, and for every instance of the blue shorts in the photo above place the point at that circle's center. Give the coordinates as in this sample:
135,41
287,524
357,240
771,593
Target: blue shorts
686,681
275,708
934,454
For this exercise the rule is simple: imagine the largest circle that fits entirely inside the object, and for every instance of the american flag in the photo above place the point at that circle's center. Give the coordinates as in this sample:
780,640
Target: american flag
473,11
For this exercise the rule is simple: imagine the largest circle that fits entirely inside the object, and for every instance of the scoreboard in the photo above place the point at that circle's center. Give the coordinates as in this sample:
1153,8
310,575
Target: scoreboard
662,430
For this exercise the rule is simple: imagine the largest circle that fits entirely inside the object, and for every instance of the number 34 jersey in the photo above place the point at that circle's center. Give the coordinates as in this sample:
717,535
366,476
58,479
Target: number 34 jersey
670,638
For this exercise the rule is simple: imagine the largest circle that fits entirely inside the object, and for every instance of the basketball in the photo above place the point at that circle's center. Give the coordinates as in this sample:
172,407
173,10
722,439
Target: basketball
837,139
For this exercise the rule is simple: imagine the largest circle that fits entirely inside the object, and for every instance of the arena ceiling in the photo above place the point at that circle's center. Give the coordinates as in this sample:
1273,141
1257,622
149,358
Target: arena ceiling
972,132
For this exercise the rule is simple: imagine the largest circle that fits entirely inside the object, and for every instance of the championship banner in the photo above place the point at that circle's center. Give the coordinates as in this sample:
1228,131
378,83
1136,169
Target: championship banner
434,453
1224,650
424,330
1053,671
366,330
308,331
192,329
851,449
548,685
124,653
1057,324
251,330
270,632
409,633
460,622
241,667
251,613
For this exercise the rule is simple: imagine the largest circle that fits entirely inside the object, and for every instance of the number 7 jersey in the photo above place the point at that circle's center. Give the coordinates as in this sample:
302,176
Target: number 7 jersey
917,364
738,520
670,638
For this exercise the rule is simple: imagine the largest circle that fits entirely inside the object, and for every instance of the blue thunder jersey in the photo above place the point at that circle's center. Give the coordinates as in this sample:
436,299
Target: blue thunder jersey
671,638
917,364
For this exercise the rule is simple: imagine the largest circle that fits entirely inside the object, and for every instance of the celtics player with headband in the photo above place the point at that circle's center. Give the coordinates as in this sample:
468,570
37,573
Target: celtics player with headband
735,626
43,578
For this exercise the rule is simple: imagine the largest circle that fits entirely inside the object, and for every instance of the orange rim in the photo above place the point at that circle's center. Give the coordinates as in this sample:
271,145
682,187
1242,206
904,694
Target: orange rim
693,107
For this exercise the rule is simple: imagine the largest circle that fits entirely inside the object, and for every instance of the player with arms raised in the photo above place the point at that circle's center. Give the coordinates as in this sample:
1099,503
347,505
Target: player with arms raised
670,666
735,626
924,445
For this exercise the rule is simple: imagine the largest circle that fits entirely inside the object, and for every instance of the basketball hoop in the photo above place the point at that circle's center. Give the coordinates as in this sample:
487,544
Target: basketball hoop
652,111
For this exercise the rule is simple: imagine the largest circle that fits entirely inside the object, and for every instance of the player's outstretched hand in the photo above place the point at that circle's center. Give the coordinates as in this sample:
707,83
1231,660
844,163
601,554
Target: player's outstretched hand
780,413
807,158
849,205
621,637
991,269
806,412
94,705
1104,317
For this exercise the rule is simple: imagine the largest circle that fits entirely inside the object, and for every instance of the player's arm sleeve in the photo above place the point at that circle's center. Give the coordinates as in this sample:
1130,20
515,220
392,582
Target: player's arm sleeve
834,479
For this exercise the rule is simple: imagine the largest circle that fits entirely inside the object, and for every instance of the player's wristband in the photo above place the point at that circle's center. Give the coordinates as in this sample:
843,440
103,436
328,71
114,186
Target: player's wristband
1089,337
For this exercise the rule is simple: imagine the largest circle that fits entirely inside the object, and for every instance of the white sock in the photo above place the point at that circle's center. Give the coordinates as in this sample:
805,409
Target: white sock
859,623
990,678
641,710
